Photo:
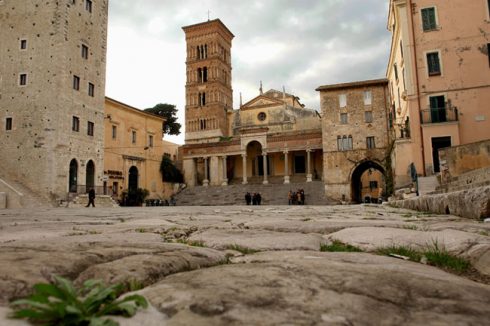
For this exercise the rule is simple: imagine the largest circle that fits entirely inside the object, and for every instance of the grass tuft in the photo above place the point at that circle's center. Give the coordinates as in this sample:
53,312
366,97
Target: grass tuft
243,250
338,246
193,243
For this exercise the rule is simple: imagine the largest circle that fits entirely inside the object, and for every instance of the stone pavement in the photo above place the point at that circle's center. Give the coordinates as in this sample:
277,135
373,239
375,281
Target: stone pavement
254,264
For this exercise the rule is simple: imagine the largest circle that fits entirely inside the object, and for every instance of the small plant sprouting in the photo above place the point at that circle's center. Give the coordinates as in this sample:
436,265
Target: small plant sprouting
405,251
338,246
193,243
241,249
62,304
439,257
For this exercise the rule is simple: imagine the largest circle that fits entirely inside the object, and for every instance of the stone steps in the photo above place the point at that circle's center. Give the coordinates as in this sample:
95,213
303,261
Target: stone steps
234,194
427,184
27,197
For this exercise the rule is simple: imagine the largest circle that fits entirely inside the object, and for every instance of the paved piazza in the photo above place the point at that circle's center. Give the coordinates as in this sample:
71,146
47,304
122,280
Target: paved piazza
254,265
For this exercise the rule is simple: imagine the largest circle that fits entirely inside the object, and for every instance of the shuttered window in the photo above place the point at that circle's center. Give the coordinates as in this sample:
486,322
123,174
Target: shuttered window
429,19
433,64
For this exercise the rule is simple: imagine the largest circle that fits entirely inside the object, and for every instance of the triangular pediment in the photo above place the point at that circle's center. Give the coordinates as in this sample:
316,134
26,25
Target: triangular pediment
261,101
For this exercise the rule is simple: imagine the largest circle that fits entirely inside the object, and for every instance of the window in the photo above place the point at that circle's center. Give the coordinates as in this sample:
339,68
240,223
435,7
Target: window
90,128
433,64
114,132
368,116
133,137
429,19
75,124
368,98
343,118
88,5
370,143
437,109
76,83
342,100
262,116
344,143
202,99
8,124
23,44
401,48
84,51
91,89
150,141
373,185
23,79
395,68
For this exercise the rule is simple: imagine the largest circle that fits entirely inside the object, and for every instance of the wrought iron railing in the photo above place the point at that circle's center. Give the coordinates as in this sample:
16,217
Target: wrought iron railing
439,115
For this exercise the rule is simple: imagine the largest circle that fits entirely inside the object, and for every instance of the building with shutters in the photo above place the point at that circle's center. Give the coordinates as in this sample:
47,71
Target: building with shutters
439,79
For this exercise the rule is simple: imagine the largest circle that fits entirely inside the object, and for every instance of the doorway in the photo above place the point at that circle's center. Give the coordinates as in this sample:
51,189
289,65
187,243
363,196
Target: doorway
90,176
133,179
437,144
72,179
299,164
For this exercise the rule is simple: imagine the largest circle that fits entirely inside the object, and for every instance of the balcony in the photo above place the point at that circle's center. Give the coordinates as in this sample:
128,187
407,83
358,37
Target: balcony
439,115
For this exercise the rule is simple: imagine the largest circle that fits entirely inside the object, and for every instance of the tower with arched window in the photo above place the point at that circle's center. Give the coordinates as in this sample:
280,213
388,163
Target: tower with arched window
209,95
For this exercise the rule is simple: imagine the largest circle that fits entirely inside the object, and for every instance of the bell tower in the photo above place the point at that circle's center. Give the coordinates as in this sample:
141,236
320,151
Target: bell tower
209,96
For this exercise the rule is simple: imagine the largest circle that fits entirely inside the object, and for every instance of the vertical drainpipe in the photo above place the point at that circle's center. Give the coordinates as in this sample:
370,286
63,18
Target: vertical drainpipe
417,83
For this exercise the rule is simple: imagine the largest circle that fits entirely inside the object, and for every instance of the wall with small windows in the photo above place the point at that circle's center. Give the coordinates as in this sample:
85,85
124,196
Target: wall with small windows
52,52
355,130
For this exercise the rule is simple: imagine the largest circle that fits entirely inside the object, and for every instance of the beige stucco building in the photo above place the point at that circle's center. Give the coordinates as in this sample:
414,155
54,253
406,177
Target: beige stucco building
439,79
272,138
133,151
52,85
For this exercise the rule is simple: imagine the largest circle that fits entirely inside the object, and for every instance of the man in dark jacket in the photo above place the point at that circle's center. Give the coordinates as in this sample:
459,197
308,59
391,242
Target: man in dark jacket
91,197
248,198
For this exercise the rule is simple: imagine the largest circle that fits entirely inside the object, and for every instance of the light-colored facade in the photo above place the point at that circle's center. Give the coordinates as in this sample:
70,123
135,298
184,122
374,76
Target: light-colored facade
133,151
439,79
271,138
356,139
52,85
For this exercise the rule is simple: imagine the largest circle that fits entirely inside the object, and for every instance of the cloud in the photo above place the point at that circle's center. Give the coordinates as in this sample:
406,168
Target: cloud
300,44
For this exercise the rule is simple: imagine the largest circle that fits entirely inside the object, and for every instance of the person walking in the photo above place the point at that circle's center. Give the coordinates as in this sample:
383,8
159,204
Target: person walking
290,197
91,197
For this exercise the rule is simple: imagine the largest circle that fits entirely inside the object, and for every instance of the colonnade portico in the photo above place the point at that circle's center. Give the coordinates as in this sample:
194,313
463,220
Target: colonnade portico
257,164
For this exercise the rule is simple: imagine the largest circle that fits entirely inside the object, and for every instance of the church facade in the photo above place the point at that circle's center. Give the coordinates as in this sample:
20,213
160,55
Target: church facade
272,138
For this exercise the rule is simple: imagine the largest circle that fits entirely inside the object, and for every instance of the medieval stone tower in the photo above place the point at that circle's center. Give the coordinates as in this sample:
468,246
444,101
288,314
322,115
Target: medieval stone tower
209,96
52,88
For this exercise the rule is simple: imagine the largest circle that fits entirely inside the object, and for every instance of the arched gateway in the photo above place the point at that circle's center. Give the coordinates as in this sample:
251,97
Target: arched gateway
367,182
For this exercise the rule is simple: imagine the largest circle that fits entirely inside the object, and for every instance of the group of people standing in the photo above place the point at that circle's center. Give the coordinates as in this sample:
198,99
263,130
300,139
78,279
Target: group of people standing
253,199
296,198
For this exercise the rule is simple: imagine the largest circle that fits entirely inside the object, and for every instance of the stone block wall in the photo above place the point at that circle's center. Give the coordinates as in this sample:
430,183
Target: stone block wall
458,160
42,45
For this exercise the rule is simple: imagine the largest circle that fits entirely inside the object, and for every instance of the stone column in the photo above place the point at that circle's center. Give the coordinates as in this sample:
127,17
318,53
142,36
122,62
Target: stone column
215,173
205,182
308,166
286,168
225,177
264,164
190,172
244,163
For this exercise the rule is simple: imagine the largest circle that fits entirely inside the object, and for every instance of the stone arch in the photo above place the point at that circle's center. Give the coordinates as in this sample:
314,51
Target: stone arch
370,167
248,141
90,175
73,176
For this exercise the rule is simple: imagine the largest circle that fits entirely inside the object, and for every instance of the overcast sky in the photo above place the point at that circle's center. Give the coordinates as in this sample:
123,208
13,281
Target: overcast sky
299,44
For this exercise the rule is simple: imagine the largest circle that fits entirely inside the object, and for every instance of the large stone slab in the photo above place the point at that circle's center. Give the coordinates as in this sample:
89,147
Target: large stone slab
258,239
471,203
292,288
472,246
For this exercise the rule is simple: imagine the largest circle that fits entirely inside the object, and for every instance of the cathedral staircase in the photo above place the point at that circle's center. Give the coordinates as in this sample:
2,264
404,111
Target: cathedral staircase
234,194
